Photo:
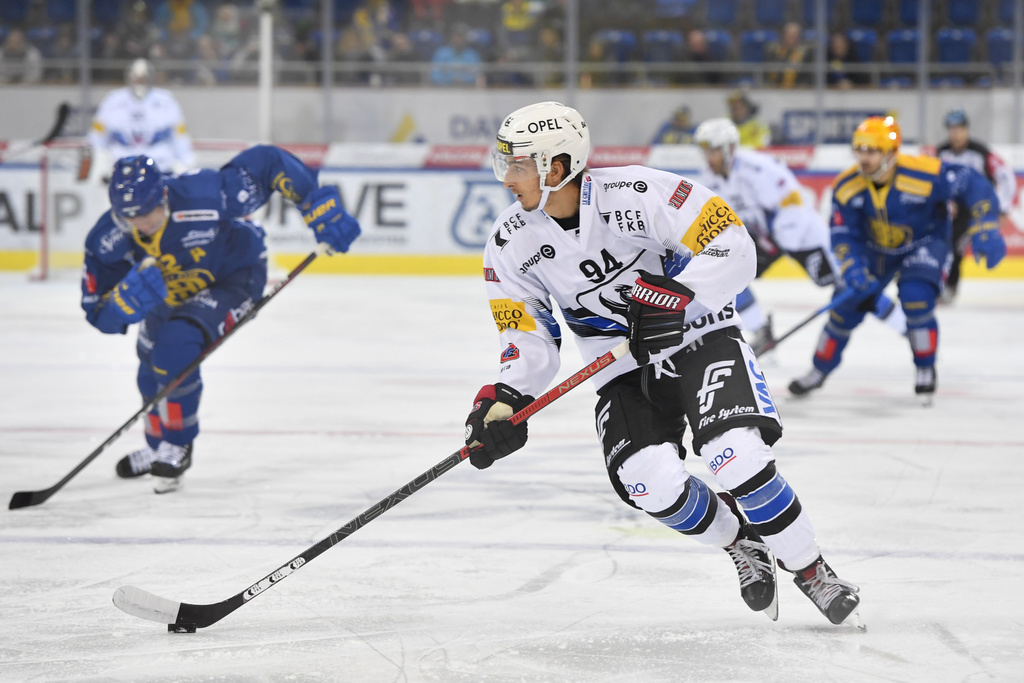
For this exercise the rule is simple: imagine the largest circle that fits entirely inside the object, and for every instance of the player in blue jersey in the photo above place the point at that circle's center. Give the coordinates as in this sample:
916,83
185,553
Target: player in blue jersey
890,221
177,255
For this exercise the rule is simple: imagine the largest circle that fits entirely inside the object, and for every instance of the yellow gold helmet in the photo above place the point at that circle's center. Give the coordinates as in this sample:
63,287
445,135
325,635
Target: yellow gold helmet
878,132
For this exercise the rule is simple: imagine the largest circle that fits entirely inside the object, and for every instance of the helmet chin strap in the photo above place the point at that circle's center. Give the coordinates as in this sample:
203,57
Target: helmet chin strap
884,167
545,192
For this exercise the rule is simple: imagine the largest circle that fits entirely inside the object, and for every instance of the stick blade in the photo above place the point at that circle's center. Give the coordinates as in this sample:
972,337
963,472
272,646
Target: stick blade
144,605
24,499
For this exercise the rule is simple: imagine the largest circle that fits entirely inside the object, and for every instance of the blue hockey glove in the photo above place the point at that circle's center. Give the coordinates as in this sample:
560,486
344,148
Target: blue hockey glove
991,245
863,284
329,222
488,424
655,316
139,292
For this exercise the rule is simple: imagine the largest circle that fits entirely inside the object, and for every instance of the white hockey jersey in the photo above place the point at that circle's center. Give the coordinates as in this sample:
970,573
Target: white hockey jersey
631,218
125,126
769,199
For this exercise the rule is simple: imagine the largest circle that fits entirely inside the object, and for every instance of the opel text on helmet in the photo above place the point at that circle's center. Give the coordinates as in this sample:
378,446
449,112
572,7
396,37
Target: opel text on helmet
539,133
140,77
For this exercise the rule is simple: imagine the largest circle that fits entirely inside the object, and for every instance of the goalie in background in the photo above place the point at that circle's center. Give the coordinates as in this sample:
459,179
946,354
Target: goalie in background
176,255
140,119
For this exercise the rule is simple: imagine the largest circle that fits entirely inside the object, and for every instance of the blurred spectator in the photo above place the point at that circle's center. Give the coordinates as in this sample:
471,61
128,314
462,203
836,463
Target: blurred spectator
210,68
678,130
182,18
20,60
65,48
552,53
792,51
428,12
351,52
743,112
840,55
227,33
136,33
597,56
699,52
403,56
456,63
553,16
515,32
376,22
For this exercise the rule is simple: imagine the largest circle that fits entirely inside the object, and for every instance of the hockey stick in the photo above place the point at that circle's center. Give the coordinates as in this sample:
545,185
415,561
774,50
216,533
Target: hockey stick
842,298
183,617
63,112
26,498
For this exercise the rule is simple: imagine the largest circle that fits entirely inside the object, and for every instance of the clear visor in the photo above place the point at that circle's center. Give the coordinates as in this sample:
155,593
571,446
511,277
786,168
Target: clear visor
513,168
146,223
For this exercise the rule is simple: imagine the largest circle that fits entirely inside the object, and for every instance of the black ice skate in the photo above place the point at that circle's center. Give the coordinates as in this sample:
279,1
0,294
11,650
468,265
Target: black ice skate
802,386
764,339
755,565
924,385
136,463
171,462
835,598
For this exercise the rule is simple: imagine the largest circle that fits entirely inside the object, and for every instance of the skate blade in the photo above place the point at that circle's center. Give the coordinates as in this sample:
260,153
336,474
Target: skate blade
927,400
772,610
855,620
166,484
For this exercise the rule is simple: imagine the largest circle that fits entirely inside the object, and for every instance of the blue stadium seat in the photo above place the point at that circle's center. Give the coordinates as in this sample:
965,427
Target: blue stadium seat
866,12
863,42
106,13
962,12
61,11
722,13
811,5
673,9
662,45
344,9
621,45
902,46
897,82
908,12
318,37
480,39
753,44
425,42
955,44
719,42
947,82
1005,12
42,38
770,12
1000,45
13,12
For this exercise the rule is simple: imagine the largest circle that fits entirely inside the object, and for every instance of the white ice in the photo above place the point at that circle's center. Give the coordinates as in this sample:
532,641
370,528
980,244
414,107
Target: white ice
345,388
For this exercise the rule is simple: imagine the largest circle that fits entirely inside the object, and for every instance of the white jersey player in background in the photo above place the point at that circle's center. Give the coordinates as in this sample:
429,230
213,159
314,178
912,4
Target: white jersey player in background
772,204
140,119
651,256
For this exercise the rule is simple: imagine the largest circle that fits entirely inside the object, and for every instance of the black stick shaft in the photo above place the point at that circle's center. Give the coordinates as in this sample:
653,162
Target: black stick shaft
27,498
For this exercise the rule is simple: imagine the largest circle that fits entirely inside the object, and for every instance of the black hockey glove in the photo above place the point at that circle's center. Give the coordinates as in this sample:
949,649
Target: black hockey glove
656,315
488,424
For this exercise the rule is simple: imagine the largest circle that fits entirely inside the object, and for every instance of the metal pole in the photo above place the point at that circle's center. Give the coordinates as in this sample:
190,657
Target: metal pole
1018,55
820,24
266,69
326,48
923,22
84,67
572,50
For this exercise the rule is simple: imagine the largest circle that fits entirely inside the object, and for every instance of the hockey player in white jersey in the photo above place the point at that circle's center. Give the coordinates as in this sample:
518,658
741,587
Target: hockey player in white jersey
140,119
651,256
770,201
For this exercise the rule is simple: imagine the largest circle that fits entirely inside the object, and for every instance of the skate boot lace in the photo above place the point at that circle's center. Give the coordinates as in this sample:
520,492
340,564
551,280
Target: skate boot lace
171,454
823,587
141,459
751,567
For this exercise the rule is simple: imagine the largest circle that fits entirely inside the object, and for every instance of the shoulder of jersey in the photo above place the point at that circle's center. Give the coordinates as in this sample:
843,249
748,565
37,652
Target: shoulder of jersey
848,184
106,241
918,164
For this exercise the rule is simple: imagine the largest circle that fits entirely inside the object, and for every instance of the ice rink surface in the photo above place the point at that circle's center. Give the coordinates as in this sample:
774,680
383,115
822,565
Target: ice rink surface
345,388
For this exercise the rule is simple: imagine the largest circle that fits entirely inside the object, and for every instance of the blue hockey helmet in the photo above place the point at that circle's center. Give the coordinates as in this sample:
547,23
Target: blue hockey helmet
136,187
955,117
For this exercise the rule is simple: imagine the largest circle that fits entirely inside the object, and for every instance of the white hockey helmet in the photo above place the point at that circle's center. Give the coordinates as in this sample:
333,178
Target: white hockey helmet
542,132
719,134
140,77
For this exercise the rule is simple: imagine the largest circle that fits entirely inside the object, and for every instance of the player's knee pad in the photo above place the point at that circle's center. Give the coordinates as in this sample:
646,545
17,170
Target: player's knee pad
736,456
768,501
831,343
918,300
654,477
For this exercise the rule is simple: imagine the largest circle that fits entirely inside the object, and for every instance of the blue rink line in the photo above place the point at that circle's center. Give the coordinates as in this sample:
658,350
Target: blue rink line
670,547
